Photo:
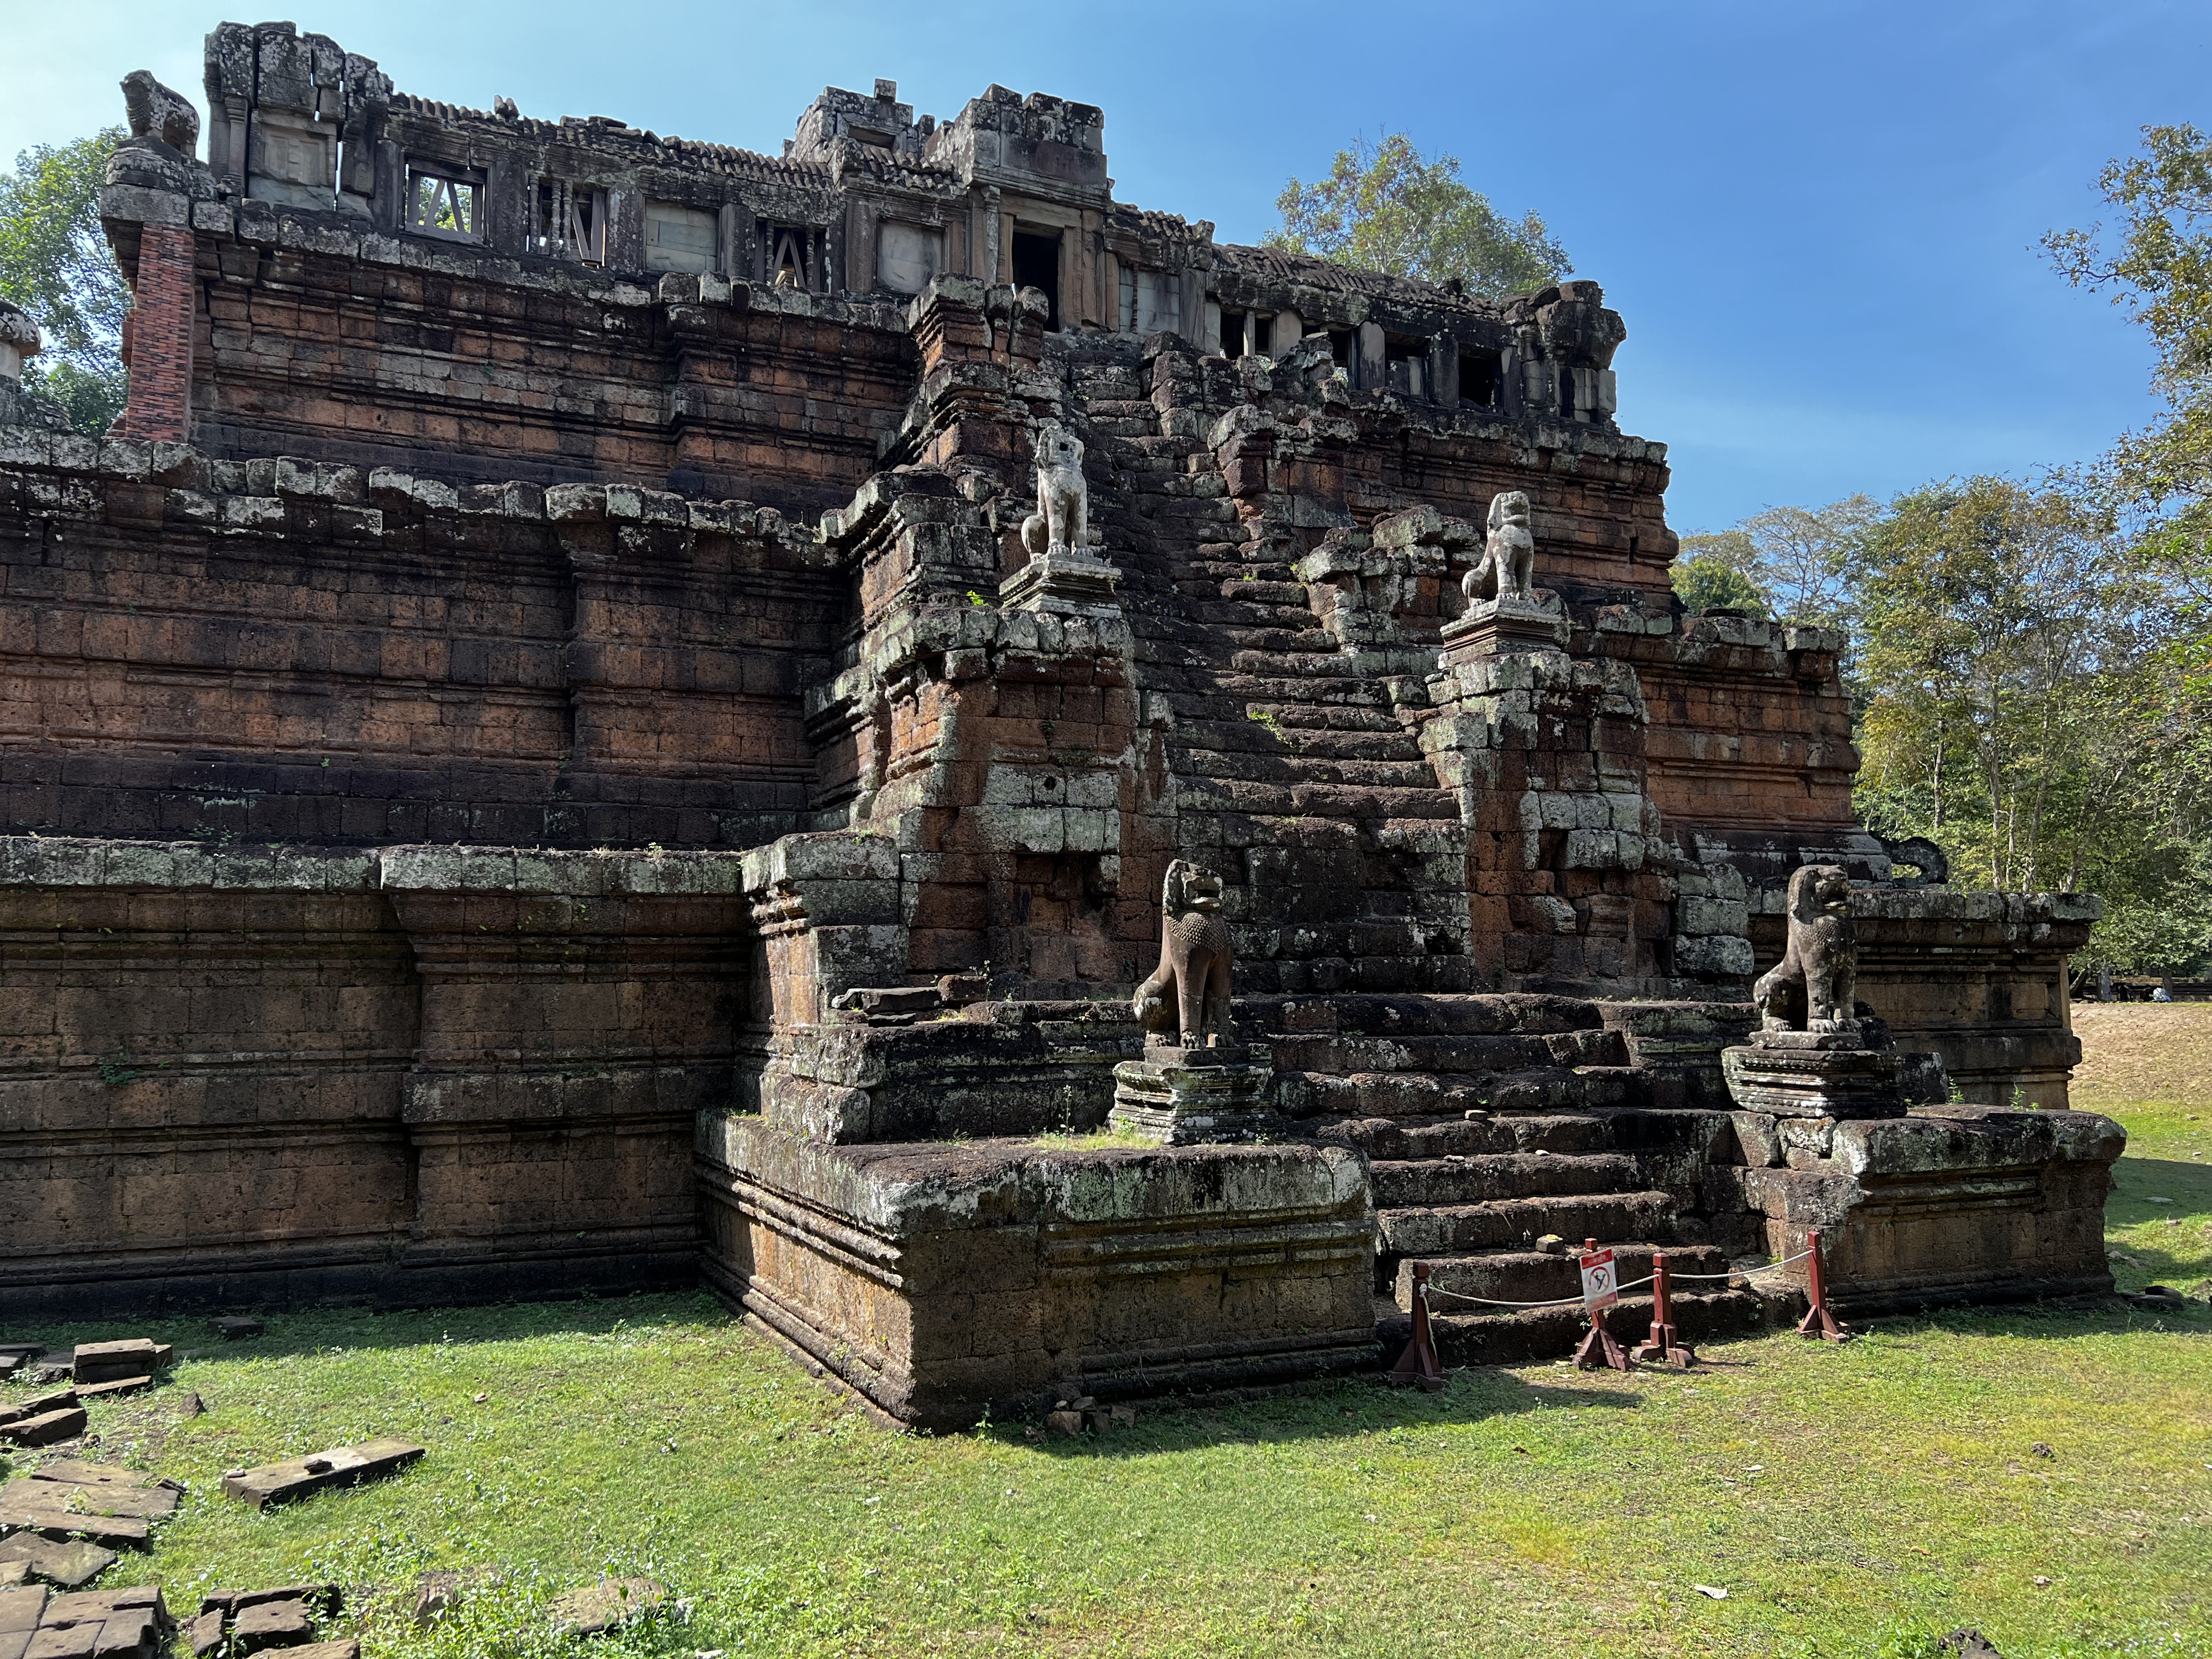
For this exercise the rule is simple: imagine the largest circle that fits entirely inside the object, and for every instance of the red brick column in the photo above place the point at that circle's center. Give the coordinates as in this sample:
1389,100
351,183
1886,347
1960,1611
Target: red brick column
157,339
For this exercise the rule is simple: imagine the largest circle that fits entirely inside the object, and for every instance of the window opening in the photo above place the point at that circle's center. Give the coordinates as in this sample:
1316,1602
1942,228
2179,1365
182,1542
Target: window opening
1232,334
1036,264
788,251
440,204
571,221
1263,335
1404,364
1340,346
1478,378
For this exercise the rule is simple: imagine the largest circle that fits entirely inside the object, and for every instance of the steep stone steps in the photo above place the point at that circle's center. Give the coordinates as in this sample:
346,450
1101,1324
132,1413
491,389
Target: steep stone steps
1383,1138
1634,1217
1533,1060
1538,1276
1457,1180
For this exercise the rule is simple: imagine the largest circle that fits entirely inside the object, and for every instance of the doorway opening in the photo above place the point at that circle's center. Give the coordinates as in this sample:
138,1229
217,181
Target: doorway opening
1036,264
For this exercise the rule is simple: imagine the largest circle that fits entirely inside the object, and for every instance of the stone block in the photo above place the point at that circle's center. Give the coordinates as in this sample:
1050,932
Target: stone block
607,1605
279,1624
64,1565
298,1477
45,1428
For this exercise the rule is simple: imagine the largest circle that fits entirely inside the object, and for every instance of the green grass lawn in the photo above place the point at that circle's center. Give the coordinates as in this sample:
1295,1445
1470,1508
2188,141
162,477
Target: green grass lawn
1859,1500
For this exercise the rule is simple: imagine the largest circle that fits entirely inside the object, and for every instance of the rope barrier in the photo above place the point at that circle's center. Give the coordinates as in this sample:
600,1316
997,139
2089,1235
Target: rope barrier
1429,1288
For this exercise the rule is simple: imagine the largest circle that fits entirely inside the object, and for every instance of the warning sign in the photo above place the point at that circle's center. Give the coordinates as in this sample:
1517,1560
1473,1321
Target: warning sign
1601,1284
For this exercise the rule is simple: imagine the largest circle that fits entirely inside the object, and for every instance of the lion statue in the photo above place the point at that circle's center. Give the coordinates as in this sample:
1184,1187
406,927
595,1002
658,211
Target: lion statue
1187,999
157,112
1062,520
1813,988
1507,568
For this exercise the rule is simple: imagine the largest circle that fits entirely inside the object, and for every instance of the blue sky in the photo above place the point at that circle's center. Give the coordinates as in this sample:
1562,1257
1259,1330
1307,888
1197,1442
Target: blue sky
1819,219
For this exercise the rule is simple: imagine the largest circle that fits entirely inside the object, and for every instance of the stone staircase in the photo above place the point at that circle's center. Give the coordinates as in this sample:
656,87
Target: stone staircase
1272,722
1490,1122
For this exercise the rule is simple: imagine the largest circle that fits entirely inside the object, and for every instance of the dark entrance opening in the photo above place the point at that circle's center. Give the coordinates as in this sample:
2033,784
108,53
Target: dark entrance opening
1036,264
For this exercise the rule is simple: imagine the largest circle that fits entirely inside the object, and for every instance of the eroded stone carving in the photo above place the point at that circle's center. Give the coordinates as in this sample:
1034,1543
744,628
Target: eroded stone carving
1812,987
1507,569
156,112
1061,523
1186,1001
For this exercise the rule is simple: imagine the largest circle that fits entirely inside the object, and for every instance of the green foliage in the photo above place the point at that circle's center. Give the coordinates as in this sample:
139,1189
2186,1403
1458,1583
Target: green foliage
1715,573
1800,561
55,263
2159,269
1386,207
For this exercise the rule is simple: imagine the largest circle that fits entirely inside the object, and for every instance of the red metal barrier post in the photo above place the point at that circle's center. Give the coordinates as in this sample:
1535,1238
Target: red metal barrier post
1419,1363
1660,1347
1817,1320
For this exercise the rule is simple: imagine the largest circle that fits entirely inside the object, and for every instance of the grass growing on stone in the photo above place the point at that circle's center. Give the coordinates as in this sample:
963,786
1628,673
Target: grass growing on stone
1852,1501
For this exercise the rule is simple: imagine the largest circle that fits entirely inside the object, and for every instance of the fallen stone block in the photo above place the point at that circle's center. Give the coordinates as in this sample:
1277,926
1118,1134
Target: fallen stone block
438,1593
58,1399
13,1573
204,1635
606,1605
120,1385
65,1567
46,1428
104,1362
21,1609
325,1599
121,1623
233,1327
44,1490
75,1472
54,1519
286,1624
340,1466
347,1649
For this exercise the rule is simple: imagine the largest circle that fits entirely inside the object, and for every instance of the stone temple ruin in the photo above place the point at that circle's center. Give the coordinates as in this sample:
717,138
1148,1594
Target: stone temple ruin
619,711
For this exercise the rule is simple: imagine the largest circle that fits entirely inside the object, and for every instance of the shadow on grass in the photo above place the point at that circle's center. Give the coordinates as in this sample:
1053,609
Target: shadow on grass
2136,1181
1325,1411
319,1330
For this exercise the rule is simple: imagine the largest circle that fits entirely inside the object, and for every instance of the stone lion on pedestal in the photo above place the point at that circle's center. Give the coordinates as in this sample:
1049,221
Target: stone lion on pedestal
1062,521
1507,569
1813,986
1187,999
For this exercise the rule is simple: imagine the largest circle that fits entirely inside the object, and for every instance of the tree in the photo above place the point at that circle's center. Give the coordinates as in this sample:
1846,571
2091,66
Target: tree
55,263
2028,707
1718,573
1799,562
1386,207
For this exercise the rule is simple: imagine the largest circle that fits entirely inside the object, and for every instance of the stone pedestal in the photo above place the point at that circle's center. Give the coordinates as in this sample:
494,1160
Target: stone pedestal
1064,580
1183,1097
1814,1074
1493,627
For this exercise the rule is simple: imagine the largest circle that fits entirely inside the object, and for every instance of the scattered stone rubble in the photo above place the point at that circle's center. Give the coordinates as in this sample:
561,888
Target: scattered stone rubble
127,1623
237,1623
65,1499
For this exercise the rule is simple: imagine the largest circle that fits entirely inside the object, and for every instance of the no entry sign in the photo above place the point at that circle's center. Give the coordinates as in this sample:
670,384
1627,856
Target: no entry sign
1601,1284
